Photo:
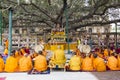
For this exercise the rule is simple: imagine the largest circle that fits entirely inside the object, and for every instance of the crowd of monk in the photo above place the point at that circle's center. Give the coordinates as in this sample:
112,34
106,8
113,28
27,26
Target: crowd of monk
22,60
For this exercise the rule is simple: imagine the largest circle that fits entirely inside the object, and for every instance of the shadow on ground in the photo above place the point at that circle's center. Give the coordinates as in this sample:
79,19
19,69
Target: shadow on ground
109,75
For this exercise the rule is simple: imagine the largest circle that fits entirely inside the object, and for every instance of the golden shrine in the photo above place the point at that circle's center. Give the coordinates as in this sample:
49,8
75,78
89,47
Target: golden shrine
58,37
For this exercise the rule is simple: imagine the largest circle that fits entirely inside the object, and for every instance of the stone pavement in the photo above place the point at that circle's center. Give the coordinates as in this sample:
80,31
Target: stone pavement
60,75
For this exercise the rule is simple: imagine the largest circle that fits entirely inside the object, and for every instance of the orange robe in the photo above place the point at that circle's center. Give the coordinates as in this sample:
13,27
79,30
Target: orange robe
6,51
112,63
77,51
100,55
118,57
1,65
11,64
44,53
40,63
75,63
6,43
23,51
17,56
106,52
98,64
87,64
25,64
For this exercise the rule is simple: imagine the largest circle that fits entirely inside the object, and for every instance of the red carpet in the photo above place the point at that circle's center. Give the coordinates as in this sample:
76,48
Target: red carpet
2,78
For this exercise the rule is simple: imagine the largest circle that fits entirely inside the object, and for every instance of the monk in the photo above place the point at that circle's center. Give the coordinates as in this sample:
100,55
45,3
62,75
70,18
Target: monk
112,62
58,57
75,62
1,64
11,63
98,63
40,62
25,64
87,64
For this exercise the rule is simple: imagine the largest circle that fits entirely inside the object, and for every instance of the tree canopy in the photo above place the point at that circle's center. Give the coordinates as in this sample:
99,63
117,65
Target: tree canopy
81,13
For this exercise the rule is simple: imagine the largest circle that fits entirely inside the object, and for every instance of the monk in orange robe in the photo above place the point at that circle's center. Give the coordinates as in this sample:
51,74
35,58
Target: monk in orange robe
98,63
87,64
1,64
11,63
75,62
25,64
112,62
40,62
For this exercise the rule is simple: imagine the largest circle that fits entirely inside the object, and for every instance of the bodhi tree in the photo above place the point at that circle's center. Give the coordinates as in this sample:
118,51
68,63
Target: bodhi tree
51,12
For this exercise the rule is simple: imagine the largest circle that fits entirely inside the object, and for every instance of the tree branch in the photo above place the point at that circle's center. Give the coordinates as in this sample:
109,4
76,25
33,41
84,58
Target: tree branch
95,23
62,10
91,13
42,10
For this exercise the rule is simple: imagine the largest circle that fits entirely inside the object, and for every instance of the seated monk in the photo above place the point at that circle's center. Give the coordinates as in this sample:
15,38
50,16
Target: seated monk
25,64
1,64
11,63
40,62
75,63
112,62
58,57
98,63
87,64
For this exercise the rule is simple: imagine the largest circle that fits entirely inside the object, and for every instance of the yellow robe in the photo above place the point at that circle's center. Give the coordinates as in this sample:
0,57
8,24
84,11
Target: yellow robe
40,63
11,64
98,64
75,63
112,63
87,64
25,64
1,65
58,57
6,51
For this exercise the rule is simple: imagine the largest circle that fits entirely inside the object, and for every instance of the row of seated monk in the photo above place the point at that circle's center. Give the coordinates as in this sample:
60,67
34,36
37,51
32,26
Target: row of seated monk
95,61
